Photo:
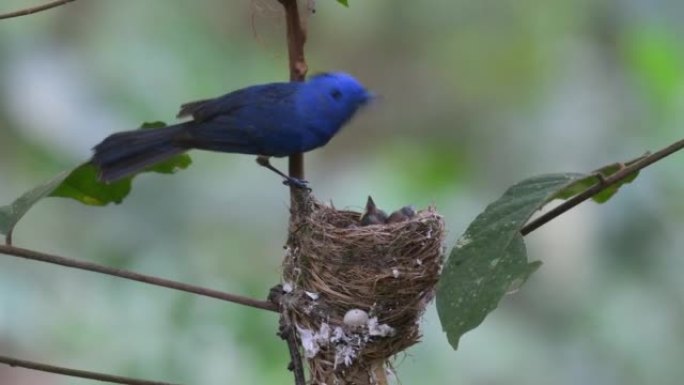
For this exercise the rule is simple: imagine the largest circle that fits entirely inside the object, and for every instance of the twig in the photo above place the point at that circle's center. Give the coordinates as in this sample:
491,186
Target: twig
89,266
32,10
289,334
296,37
77,373
601,185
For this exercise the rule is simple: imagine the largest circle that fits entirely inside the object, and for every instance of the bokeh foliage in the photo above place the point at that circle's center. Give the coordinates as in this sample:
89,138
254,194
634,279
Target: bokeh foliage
487,93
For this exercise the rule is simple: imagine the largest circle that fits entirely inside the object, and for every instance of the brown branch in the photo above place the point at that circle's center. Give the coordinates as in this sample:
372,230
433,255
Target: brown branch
296,37
32,10
89,266
601,185
289,334
13,362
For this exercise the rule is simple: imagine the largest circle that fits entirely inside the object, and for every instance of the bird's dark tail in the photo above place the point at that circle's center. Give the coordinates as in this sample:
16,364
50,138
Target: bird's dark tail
125,153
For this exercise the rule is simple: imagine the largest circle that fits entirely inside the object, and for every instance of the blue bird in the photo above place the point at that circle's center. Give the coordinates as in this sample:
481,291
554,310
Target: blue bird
274,119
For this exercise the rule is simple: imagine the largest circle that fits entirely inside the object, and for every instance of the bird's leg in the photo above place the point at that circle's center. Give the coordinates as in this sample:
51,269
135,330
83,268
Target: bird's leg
264,161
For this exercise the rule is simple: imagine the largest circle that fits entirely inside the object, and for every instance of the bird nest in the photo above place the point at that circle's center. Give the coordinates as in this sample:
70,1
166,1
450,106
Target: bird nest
354,293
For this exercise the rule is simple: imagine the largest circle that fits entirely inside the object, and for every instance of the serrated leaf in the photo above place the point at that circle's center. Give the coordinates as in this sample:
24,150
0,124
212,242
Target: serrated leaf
81,184
344,2
490,258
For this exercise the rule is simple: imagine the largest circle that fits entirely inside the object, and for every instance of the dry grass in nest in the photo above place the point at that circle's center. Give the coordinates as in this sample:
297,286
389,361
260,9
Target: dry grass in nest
334,265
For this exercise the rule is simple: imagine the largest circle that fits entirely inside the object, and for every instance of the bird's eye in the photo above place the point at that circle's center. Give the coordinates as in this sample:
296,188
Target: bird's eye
336,94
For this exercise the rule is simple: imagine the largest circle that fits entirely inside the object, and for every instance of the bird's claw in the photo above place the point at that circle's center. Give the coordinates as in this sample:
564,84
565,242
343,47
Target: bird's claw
298,183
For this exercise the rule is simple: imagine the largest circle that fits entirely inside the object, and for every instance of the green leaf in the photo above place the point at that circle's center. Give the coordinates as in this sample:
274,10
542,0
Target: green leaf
344,2
577,188
609,191
490,259
585,183
81,184
171,165
155,124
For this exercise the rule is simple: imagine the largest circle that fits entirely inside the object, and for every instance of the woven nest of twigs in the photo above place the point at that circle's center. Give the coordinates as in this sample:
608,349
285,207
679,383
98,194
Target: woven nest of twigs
355,294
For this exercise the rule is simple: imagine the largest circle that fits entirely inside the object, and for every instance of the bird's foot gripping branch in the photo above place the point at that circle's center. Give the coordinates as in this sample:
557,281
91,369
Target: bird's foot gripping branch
264,161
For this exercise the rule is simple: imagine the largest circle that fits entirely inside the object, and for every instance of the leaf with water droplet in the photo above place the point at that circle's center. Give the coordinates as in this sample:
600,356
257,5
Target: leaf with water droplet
493,261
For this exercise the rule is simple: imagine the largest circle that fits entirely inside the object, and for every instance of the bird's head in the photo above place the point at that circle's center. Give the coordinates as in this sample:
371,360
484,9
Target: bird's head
339,93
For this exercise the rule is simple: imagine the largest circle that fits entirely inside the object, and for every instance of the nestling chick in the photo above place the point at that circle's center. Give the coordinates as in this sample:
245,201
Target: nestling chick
373,215
403,214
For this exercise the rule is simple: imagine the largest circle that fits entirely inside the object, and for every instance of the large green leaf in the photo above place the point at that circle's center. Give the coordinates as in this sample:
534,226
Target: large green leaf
344,2
81,184
490,258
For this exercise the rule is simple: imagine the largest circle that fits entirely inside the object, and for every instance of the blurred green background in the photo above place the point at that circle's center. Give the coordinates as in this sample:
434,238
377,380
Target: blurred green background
476,95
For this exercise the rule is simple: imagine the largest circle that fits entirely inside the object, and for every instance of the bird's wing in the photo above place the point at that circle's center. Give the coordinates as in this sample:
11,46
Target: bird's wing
255,96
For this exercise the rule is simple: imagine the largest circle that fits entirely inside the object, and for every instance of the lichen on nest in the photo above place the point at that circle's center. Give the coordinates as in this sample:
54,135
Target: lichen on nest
334,265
